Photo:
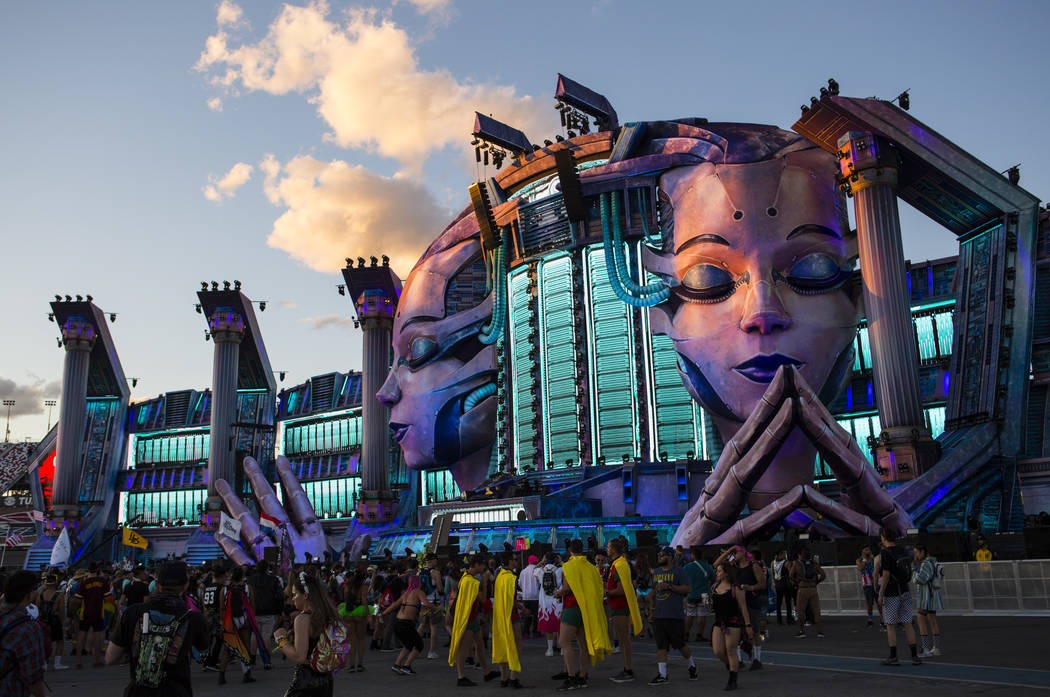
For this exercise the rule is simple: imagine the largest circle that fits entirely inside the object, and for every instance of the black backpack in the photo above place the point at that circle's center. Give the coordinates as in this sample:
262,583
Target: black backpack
809,570
156,645
426,581
550,582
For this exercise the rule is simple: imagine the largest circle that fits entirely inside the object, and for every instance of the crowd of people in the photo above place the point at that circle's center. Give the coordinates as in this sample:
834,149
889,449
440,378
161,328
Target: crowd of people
586,602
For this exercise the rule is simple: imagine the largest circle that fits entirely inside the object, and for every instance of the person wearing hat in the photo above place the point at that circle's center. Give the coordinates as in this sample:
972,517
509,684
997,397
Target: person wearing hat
670,587
529,582
168,616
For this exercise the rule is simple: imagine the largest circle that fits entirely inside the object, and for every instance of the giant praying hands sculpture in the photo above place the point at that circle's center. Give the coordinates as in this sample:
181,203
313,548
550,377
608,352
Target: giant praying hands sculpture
754,261
295,517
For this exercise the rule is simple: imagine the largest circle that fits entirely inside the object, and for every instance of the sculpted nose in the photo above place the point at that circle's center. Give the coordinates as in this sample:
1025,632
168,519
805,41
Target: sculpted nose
764,313
390,393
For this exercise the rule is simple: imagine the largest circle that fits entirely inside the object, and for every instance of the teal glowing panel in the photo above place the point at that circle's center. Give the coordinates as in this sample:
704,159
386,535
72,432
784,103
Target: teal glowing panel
524,370
924,331
943,322
614,385
677,425
865,347
934,420
181,506
323,436
438,486
333,498
561,422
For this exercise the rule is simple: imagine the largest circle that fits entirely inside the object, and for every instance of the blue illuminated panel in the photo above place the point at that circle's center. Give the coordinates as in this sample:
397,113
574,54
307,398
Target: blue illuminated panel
332,498
561,422
166,506
340,433
171,447
677,418
522,365
438,486
614,385
943,323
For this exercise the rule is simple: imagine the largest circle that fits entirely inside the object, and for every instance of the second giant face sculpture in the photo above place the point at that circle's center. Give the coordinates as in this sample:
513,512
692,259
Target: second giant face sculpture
440,411
759,258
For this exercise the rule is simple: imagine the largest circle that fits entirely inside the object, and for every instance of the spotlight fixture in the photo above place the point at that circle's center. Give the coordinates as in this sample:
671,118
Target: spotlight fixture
50,316
207,336
547,142
357,324
134,382
197,307
58,298
112,317
375,262
360,262
281,375
236,284
80,298
59,342
386,260
833,86
262,306
89,298
349,262
904,99
204,285
69,298
214,285
559,138
342,289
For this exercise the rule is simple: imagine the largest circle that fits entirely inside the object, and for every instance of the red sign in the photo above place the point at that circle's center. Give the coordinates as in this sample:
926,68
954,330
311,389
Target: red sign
521,544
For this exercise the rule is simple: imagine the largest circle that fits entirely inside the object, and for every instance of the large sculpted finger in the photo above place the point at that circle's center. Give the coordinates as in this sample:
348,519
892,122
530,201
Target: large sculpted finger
723,508
233,550
779,389
264,493
306,532
860,485
251,532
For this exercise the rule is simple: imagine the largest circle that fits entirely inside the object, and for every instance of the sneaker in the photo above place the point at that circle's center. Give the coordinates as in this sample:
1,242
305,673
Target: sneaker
623,676
360,668
351,669
560,676
432,655
248,677
491,675
924,654
870,622
59,666
800,635
756,665
933,652
891,661
659,680
569,684
694,674
820,635
267,666
515,684
504,683
916,661
616,649
581,682
396,668
550,653
407,670
465,682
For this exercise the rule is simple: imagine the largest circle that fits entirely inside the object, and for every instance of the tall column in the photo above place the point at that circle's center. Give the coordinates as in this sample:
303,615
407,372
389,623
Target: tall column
78,337
227,330
869,164
375,453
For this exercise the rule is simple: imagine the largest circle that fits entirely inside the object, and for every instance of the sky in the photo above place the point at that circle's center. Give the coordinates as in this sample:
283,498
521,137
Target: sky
150,146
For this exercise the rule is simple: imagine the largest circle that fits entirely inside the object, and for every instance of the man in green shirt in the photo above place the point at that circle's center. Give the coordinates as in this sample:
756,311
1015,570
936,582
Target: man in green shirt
700,574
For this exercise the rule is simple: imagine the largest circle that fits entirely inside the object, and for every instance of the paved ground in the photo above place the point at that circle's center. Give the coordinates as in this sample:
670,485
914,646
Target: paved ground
983,656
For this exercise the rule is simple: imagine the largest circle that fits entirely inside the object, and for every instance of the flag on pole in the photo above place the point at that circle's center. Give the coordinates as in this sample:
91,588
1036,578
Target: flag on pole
285,554
13,539
37,515
269,522
62,549
133,539
230,527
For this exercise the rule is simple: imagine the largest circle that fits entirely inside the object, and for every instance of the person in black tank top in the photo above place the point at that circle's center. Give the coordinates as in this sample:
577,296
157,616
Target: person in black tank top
731,619
52,609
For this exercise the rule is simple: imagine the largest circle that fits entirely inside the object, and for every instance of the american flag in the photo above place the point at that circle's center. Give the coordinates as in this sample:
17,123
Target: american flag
13,539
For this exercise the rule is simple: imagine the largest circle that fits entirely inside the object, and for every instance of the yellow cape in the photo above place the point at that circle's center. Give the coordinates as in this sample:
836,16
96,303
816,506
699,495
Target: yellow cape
465,597
586,584
504,647
623,571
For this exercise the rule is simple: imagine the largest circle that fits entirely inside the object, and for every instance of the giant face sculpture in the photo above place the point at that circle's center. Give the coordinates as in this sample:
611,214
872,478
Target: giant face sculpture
441,412
758,256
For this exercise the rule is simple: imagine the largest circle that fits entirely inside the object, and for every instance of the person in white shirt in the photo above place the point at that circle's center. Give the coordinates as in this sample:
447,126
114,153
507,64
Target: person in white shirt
530,594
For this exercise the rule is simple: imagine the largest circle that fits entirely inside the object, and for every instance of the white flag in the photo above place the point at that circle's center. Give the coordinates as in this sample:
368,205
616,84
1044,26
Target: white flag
62,549
230,527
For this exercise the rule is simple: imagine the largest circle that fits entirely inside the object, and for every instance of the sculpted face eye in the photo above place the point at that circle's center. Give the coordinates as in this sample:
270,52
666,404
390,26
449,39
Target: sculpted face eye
706,283
422,349
815,273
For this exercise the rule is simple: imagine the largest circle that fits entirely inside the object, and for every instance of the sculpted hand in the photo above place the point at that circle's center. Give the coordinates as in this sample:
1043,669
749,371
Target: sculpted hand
296,516
787,403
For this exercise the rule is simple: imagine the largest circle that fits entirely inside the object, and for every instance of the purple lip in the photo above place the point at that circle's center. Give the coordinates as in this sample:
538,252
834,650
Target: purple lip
400,430
763,368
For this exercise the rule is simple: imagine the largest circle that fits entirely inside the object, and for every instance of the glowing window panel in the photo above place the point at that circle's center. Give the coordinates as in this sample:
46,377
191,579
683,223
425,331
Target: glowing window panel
935,420
330,497
677,425
943,322
524,369
561,441
439,486
865,347
924,329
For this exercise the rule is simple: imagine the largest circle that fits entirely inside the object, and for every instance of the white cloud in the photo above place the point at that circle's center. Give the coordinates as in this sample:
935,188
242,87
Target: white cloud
215,103
363,75
335,211
226,186
435,7
29,397
323,321
229,14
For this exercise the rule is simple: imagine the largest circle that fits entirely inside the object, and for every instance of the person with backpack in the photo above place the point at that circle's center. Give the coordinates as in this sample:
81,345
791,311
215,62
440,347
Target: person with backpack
895,597
318,643
52,609
700,574
548,619
212,592
807,574
928,578
268,597
238,625
23,645
161,635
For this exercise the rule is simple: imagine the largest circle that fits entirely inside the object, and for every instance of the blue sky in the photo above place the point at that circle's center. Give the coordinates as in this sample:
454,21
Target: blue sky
352,124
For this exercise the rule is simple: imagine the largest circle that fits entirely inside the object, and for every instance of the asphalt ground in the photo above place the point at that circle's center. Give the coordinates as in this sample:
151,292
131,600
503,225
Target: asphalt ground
982,656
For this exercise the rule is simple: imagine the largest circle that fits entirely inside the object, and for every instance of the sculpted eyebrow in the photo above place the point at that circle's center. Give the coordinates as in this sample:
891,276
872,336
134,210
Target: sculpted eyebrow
814,230
704,239
419,318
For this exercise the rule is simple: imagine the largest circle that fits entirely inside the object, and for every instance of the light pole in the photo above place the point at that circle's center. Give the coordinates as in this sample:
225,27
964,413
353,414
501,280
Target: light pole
8,403
49,403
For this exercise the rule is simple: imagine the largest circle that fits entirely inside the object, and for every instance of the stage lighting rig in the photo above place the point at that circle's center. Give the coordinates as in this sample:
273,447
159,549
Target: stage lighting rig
495,138
904,100
342,289
578,104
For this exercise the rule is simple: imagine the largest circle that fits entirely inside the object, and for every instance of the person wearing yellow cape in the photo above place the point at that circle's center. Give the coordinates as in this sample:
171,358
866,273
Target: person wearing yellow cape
623,605
582,617
506,623
466,625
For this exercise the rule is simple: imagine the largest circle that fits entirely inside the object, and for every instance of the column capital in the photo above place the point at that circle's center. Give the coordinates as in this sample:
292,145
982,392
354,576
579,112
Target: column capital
866,159
226,326
78,335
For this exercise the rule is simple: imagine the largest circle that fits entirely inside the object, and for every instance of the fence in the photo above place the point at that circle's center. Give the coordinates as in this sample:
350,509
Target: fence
996,587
